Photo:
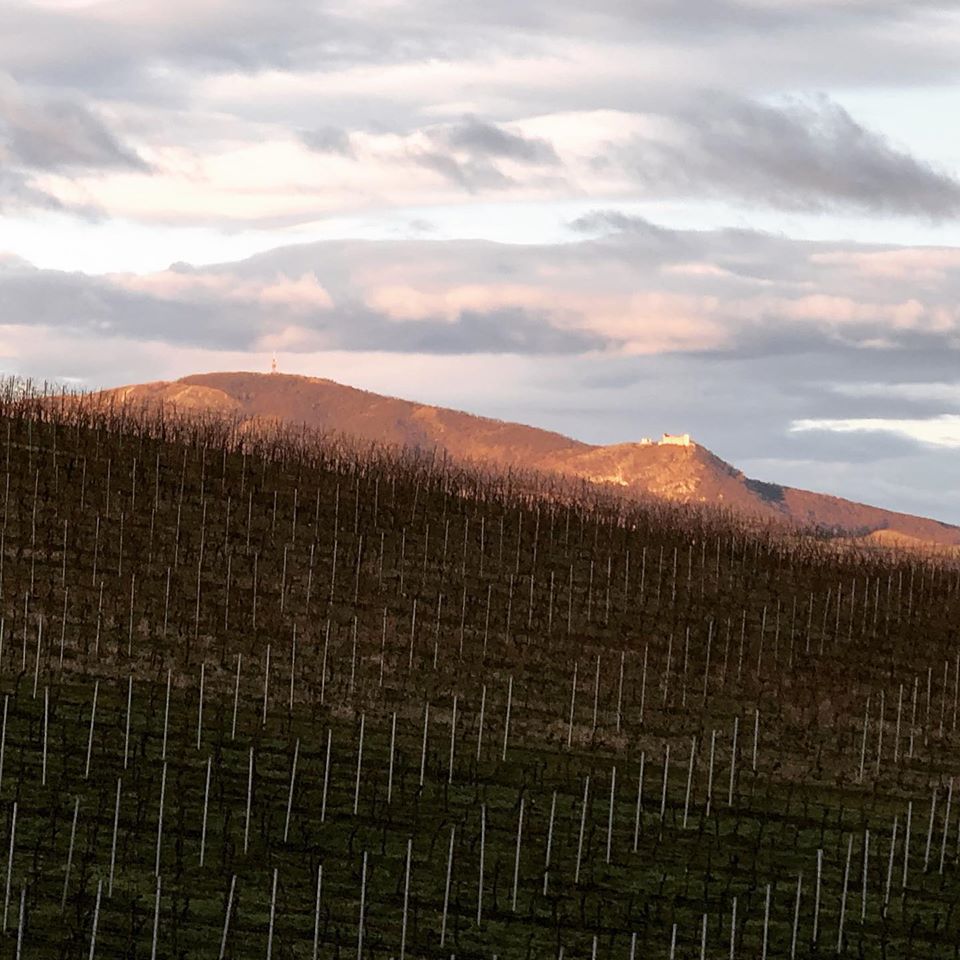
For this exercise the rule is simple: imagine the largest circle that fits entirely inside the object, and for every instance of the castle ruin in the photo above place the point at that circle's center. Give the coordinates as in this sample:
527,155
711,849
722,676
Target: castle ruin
667,440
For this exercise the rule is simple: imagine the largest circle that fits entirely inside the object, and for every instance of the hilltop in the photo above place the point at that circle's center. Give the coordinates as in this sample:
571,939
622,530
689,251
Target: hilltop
680,474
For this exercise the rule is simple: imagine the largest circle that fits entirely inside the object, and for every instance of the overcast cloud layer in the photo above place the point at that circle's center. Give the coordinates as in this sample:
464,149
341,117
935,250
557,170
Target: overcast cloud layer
668,166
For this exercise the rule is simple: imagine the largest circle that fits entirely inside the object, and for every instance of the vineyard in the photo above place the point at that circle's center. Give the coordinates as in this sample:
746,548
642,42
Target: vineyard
269,695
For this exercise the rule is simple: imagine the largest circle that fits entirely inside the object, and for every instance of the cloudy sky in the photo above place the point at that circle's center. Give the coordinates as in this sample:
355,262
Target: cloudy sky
739,218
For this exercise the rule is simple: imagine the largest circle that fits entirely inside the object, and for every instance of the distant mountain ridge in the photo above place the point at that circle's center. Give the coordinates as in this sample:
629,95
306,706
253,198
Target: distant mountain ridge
681,474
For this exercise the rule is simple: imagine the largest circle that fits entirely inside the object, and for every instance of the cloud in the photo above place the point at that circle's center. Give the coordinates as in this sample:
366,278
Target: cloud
234,310
478,138
18,193
808,155
793,154
615,221
53,134
917,393
247,116
920,265
143,45
646,290
471,153
942,431
642,322
801,155
185,285
328,139
467,173
44,138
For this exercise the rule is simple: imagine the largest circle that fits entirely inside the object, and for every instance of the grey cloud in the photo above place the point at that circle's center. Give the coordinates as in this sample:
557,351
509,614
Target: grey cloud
694,15
76,303
58,135
16,193
328,140
730,245
466,153
615,221
479,138
803,155
634,234
300,34
861,449
514,330
800,155
118,53
470,174
41,135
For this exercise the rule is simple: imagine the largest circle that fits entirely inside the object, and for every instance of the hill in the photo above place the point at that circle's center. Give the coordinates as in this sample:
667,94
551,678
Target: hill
675,473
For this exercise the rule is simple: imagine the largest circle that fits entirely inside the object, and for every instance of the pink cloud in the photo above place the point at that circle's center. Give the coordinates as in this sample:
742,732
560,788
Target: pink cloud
917,264
641,321
910,314
303,293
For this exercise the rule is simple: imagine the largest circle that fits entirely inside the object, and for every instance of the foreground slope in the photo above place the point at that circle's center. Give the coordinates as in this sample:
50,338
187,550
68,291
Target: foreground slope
679,474
267,699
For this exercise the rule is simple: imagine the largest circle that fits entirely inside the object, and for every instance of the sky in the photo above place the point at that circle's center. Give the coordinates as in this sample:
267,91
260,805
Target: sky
734,218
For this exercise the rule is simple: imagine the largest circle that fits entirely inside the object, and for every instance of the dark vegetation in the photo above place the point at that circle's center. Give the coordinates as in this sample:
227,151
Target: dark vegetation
233,664
771,492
